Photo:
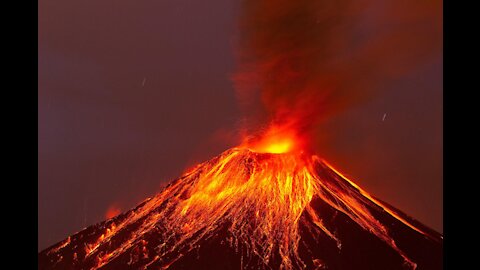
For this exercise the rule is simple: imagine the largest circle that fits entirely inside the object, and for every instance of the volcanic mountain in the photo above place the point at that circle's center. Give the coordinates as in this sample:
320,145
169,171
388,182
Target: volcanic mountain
254,210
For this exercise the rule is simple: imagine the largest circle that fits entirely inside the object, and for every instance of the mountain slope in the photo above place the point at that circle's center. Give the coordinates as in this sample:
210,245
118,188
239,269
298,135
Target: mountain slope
248,210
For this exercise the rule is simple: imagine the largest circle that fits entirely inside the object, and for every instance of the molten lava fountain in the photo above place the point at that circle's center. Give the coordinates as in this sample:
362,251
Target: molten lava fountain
262,207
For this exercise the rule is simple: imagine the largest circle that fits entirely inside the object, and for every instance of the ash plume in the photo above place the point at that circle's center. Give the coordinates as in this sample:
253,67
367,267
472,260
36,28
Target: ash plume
301,61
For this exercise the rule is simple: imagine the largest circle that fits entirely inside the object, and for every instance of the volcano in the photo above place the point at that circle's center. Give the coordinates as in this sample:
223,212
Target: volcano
252,210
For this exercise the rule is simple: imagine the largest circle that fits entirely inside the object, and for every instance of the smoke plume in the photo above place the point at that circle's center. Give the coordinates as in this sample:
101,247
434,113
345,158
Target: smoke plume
301,61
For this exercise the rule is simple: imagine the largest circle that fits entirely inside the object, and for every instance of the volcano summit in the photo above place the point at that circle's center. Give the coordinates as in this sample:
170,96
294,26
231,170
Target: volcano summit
251,210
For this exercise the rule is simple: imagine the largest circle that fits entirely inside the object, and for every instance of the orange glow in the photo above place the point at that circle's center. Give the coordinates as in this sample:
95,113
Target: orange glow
294,62
364,193
261,197
262,191
278,146
104,238
61,246
276,140
112,211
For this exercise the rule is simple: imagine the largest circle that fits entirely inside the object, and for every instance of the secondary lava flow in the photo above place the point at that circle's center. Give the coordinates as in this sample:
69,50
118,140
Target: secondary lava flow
262,198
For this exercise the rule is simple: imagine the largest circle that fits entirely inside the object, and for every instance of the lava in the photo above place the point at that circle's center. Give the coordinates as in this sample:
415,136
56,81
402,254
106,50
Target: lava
261,198
277,139
278,146
268,199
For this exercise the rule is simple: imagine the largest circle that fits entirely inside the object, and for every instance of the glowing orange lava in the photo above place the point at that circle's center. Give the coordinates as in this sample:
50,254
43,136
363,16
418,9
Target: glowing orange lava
260,197
282,145
276,140
260,192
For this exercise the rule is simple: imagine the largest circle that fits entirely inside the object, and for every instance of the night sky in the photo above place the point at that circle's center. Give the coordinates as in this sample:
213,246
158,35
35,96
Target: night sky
131,93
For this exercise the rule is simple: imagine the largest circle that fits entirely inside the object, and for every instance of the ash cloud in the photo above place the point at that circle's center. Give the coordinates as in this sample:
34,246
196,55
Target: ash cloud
299,62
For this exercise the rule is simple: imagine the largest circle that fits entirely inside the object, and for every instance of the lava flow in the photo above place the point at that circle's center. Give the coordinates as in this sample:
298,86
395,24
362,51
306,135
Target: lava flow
278,208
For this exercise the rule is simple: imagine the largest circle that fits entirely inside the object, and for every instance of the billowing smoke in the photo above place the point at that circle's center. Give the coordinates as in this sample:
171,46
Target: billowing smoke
300,61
